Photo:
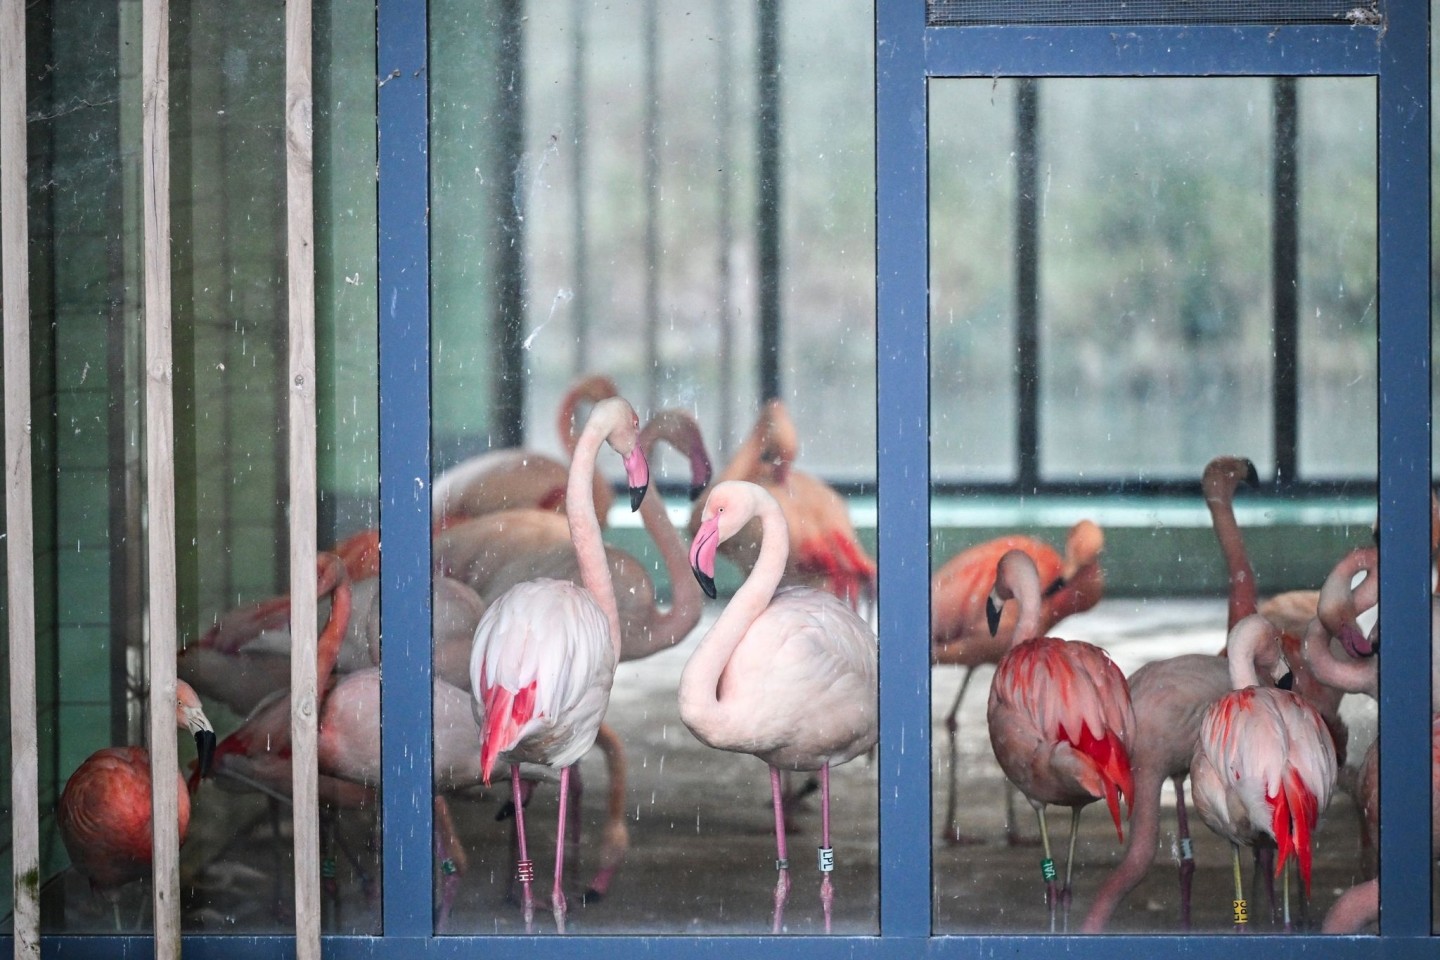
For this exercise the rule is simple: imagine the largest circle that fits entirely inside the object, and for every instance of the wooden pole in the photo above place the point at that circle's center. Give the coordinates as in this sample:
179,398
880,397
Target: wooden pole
19,514
160,470
300,259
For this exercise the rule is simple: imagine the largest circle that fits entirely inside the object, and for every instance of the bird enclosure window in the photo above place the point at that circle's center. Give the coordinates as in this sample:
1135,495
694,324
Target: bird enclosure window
1171,281
673,205
230,341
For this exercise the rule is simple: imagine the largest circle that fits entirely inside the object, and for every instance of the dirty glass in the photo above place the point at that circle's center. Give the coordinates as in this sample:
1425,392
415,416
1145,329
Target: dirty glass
231,469
610,200
1146,286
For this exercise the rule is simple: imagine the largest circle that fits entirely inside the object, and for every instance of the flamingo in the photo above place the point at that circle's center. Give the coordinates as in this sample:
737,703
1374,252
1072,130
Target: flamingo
545,652
105,809
789,675
499,550
825,551
1264,767
960,636
510,478
1060,718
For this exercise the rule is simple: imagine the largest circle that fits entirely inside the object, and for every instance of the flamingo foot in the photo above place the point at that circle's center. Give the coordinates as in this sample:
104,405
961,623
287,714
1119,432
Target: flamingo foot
1187,875
558,907
449,887
827,899
782,893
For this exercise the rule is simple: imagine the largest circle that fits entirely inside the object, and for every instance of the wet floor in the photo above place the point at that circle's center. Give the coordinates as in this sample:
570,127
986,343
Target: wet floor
702,850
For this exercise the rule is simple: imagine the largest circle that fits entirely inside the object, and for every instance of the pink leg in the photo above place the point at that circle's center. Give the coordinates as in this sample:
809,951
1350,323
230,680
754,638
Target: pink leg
1187,853
827,855
782,861
557,894
524,867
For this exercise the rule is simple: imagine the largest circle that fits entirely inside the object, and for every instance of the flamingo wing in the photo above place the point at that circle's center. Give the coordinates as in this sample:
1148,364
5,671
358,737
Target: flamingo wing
541,669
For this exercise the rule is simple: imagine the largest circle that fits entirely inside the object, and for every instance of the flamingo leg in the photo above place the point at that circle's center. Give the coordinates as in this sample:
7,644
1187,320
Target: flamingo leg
782,861
1265,877
827,854
1285,894
1047,866
524,867
1069,867
446,855
557,893
1187,852
1242,913
952,729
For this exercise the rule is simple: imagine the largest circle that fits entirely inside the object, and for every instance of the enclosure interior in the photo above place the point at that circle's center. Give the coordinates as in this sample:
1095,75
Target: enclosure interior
1127,278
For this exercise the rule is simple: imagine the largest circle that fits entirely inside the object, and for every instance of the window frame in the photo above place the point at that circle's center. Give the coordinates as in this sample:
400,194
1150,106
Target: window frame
909,55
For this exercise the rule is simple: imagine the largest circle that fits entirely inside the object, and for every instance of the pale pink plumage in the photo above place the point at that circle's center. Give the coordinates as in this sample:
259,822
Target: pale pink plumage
545,652
789,675
1265,763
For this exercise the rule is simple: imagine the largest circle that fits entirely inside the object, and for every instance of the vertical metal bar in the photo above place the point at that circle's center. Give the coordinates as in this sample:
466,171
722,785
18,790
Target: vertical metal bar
903,424
300,271
404,272
507,418
1285,276
19,509
768,193
650,147
1027,279
724,131
579,198
160,472
1404,373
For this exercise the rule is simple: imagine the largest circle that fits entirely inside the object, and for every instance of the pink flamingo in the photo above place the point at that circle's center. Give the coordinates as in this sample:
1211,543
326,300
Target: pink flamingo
499,550
511,478
1264,767
104,813
1060,719
825,551
960,635
546,650
788,676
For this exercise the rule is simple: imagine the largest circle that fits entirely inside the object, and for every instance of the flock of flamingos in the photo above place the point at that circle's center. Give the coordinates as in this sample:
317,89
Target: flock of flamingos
532,612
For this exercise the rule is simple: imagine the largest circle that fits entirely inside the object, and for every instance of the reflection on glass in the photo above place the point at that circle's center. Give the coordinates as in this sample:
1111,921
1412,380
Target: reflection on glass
230,343
1159,350
602,225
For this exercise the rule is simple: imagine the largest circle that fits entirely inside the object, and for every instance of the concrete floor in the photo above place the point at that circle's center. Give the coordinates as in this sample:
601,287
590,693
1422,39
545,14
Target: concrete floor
702,852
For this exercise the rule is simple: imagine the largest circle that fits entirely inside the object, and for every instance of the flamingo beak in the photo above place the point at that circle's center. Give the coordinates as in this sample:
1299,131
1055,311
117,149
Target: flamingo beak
1252,477
702,555
1356,644
1054,588
992,614
701,472
637,476
204,750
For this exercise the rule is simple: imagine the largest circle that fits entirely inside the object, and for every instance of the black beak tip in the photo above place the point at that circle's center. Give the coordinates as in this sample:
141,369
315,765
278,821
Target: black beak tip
205,750
1286,682
1252,476
695,491
707,583
637,494
992,615
1055,587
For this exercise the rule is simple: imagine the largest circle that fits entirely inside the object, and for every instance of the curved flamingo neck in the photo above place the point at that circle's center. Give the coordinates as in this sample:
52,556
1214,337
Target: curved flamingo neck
700,680
1242,644
585,526
1244,598
671,626
1018,579
327,646
1350,676
1340,603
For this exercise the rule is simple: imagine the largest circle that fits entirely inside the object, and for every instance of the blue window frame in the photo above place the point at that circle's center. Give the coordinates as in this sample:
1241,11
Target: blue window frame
909,54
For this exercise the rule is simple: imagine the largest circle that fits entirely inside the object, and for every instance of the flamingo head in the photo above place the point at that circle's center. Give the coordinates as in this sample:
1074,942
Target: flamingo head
681,431
729,507
1083,547
1224,474
780,444
191,715
616,420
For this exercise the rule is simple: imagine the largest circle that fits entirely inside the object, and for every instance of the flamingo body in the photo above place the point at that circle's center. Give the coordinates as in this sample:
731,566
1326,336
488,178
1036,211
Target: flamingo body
545,689
1060,719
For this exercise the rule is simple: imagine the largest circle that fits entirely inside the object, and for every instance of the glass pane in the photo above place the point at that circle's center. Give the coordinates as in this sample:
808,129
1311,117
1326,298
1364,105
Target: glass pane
1156,343
602,221
231,449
